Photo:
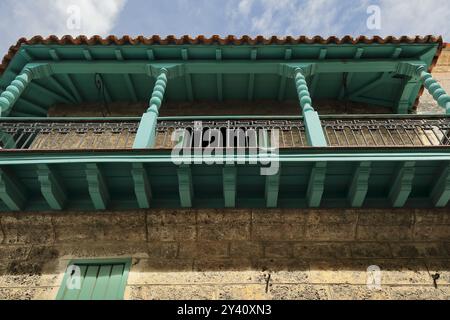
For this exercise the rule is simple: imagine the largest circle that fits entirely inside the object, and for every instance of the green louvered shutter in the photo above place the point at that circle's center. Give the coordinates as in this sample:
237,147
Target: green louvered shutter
99,281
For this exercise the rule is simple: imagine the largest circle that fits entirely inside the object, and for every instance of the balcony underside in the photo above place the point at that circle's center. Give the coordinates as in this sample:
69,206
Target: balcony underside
329,178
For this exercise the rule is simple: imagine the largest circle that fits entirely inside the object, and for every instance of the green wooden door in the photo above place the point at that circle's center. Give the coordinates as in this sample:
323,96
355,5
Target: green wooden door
95,280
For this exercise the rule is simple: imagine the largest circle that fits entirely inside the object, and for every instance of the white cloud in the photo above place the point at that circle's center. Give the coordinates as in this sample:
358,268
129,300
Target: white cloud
27,18
415,17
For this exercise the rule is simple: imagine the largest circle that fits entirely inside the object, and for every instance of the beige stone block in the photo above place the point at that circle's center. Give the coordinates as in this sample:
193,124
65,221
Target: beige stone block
295,216
172,232
221,264
225,217
216,232
278,250
298,292
384,233
14,252
322,250
358,292
27,228
330,232
354,272
418,250
278,232
93,227
163,250
420,293
432,233
432,217
218,249
175,216
280,265
441,267
246,249
28,293
333,217
191,292
99,250
391,217
371,250
267,216
243,292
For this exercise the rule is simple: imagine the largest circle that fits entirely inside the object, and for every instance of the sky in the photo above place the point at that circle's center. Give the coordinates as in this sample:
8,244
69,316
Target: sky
26,18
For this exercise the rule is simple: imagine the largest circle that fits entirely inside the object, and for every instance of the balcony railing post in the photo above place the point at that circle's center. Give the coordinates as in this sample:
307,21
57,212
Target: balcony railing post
146,135
12,93
434,88
313,126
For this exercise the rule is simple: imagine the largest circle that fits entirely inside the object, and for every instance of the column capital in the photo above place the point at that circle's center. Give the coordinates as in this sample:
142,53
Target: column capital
171,70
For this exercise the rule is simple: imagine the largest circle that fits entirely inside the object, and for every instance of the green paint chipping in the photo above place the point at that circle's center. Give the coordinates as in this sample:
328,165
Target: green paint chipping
99,280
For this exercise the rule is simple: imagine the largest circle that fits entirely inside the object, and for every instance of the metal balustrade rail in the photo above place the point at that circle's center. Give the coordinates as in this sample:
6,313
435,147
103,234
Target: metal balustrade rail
119,133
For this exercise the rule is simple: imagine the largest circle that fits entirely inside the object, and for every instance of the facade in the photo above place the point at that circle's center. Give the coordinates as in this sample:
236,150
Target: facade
344,195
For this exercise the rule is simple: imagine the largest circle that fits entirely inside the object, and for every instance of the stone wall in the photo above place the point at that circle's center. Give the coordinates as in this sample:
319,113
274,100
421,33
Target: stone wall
234,254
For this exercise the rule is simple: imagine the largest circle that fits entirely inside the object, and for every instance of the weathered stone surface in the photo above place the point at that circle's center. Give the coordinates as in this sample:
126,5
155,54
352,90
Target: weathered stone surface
383,233
298,292
268,217
102,250
333,217
358,292
92,227
218,249
28,293
172,232
14,252
440,267
419,293
328,250
391,217
27,228
246,249
278,250
280,264
243,292
164,217
229,217
371,250
280,232
217,264
418,250
432,217
436,232
330,232
191,292
224,232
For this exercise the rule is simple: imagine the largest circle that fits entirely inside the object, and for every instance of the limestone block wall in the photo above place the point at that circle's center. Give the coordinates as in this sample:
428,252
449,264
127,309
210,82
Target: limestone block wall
234,254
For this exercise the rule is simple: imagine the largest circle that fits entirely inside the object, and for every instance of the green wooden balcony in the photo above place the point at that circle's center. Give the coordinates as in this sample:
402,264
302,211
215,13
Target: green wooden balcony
84,164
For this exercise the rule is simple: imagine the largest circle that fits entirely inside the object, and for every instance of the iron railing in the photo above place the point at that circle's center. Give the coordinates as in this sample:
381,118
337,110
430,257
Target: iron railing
119,133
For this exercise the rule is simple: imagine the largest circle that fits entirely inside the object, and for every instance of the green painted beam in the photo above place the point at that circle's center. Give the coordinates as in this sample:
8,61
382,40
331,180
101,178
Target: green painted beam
402,184
230,186
405,102
142,187
188,77
219,77
440,194
316,185
359,185
224,67
186,187
47,92
322,55
73,88
358,55
98,188
272,189
52,187
12,192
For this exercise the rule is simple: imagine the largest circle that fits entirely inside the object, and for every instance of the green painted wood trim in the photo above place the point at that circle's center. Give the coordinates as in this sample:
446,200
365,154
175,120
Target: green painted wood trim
186,187
405,102
142,187
313,126
52,187
434,88
13,92
316,185
440,194
131,88
223,67
402,184
230,186
12,192
98,189
119,290
272,189
7,141
359,185
146,135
